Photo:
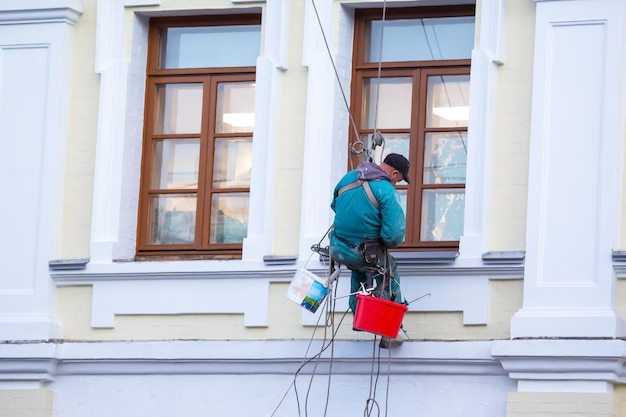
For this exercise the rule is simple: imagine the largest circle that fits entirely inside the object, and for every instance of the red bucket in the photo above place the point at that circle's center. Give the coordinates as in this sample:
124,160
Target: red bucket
378,316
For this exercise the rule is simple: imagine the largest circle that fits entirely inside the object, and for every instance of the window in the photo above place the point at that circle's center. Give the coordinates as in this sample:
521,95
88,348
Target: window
197,149
411,83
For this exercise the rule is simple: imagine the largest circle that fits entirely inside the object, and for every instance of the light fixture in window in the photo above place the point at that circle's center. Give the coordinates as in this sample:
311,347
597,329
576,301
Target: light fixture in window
239,119
454,114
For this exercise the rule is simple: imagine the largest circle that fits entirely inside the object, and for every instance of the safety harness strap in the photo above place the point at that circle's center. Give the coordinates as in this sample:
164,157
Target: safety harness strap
366,188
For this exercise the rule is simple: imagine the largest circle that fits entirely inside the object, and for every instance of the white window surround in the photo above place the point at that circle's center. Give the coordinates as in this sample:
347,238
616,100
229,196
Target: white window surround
330,143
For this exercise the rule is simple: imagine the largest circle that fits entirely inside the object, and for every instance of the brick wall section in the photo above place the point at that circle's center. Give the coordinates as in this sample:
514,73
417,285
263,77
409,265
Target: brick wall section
26,403
563,404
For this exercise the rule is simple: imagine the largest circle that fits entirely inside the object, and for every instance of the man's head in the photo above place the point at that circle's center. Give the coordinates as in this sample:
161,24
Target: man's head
398,167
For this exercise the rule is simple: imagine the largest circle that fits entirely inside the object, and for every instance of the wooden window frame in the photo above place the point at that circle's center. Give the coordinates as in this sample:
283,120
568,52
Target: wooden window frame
419,72
209,77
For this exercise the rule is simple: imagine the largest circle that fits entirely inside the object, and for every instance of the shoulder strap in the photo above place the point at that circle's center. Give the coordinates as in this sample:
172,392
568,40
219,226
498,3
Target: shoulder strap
366,188
370,194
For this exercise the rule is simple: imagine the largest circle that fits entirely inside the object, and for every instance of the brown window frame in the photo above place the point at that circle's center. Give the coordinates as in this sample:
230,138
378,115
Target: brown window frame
419,72
209,77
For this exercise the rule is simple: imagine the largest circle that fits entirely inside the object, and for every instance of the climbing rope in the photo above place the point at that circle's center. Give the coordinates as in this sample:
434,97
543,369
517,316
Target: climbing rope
358,147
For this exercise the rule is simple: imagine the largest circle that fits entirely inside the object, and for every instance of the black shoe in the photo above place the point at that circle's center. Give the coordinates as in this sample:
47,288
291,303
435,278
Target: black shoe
388,343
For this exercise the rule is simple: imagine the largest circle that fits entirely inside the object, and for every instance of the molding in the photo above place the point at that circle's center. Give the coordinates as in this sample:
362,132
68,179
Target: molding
21,12
46,360
562,359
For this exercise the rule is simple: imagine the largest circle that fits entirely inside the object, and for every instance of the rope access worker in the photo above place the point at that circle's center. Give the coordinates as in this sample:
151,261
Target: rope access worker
369,219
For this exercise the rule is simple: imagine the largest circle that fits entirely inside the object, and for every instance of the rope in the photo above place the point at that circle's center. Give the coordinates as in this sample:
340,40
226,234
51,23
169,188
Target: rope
371,402
332,61
380,63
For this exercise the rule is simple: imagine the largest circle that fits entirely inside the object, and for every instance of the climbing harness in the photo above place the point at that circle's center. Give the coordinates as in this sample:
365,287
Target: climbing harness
360,183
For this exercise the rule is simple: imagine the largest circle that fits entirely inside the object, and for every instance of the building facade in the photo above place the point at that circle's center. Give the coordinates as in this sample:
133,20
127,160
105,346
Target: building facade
175,162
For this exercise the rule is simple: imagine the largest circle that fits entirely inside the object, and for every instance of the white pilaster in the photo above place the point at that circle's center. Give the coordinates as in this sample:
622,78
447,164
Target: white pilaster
35,68
270,67
486,58
113,69
323,112
574,171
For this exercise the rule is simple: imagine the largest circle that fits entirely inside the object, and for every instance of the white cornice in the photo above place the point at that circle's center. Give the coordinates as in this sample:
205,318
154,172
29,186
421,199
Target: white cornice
21,12
562,359
45,360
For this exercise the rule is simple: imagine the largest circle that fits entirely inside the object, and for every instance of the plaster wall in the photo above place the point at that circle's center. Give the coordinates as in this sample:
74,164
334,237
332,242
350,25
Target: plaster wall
528,404
81,138
512,129
26,402
234,395
284,321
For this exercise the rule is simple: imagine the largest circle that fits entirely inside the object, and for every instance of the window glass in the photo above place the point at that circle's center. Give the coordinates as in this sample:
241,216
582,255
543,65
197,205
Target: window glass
448,101
211,46
229,218
178,108
386,103
420,39
232,162
235,107
172,219
445,158
417,98
442,214
175,163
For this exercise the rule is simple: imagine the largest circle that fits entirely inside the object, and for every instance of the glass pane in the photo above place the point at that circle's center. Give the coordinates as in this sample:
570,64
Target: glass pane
235,107
420,39
394,143
232,164
178,108
403,199
393,110
175,163
229,217
445,158
448,101
442,214
172,219
211,46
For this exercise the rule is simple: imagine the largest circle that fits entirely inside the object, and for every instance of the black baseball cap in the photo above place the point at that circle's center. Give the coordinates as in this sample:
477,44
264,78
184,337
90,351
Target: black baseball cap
400,163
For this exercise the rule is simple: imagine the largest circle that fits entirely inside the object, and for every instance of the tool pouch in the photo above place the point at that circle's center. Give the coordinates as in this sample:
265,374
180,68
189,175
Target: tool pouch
371,250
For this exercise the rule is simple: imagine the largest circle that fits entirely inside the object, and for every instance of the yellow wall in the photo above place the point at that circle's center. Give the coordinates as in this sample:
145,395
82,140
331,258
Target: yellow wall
74,312
535,404
512,129
26,403
81,141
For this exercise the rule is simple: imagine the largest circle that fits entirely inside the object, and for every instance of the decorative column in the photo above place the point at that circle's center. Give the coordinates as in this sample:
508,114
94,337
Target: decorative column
575,172
35,68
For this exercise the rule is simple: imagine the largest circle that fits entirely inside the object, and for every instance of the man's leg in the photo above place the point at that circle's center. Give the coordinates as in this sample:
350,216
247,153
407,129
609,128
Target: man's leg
390,280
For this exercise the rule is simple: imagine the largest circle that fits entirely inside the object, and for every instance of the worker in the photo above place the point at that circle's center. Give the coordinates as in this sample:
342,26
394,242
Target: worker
369,219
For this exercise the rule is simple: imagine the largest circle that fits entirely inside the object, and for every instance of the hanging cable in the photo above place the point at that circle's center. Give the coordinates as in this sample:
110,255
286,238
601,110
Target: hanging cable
332,61
377,137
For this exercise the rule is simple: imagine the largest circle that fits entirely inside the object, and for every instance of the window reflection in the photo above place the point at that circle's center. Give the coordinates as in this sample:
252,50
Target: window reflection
229,217
172,219
178,108
442,214
235,107
175,163
448,101
445,158
233,162
429,39
387,103
211,46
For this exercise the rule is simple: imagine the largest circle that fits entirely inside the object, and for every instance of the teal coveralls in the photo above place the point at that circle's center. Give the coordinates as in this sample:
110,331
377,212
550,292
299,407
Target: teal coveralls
356,218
